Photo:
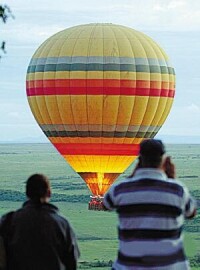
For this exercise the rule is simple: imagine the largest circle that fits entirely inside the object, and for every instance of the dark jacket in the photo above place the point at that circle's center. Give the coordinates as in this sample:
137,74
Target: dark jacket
37,238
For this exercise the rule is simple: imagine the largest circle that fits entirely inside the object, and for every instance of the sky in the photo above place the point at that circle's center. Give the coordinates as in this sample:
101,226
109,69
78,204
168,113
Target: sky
173,24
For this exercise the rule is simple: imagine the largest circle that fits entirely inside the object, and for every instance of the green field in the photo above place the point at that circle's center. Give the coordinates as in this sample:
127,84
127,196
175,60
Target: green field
96,231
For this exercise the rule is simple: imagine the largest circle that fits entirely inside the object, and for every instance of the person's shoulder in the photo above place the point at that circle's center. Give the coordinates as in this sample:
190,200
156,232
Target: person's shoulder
179,185
50,207
63,223
122,184
116,185
60,218
5,220
124,180
176,182
7,215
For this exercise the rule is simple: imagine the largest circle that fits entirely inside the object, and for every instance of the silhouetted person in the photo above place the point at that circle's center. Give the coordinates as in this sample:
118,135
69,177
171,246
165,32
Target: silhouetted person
151,208
36,237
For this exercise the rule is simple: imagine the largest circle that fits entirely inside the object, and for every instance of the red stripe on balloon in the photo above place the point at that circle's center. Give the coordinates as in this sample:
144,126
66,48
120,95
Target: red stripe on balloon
40,91
99,87
97,149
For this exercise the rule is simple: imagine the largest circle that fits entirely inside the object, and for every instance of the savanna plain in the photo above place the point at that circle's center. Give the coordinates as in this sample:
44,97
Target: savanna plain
96,230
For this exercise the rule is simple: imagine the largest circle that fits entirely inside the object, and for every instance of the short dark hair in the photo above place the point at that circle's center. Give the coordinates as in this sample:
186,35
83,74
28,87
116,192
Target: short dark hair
151,152
37,186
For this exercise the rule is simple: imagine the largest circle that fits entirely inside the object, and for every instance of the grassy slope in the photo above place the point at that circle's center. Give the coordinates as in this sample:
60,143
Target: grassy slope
96,231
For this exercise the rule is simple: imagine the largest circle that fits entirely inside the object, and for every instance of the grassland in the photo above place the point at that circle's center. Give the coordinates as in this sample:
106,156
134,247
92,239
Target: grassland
96,231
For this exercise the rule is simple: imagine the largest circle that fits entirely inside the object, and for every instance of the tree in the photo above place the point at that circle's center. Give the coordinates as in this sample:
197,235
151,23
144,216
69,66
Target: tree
5,13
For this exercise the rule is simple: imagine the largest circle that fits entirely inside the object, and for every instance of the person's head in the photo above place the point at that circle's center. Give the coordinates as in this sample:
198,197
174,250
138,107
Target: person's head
38,188
151,153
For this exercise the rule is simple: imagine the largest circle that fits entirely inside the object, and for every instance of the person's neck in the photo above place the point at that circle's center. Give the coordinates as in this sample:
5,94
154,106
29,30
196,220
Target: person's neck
150,167
44,200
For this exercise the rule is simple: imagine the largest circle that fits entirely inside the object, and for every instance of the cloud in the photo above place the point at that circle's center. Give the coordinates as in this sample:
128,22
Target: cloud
176,4
181,15
15,113
193,108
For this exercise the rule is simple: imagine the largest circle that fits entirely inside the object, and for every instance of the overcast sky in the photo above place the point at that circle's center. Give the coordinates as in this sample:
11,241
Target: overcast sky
173,24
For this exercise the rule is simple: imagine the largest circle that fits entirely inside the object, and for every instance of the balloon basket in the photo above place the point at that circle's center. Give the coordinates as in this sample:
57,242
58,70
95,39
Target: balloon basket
96,204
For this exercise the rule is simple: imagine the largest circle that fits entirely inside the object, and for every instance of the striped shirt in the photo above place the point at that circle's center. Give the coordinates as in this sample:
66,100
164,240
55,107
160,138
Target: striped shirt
151,210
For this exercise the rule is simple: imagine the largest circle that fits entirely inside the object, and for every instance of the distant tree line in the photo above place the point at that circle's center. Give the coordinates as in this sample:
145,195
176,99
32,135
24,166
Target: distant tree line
97,264
19,196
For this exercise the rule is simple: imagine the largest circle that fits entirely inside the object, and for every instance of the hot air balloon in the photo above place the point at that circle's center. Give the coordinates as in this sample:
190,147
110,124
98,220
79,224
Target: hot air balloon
97,91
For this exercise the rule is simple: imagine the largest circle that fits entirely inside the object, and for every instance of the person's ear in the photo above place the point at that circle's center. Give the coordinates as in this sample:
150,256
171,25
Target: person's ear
49,193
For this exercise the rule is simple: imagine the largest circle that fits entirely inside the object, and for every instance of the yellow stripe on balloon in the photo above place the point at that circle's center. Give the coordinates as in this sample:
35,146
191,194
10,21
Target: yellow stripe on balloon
54,47
106,164
94,140
120,114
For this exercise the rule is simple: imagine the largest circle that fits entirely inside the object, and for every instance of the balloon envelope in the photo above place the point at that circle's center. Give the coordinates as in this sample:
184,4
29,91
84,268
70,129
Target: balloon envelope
97,91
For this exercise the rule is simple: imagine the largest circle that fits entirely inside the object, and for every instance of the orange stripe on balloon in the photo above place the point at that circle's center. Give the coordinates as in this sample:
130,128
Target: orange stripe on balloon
98,83
97,149
84,82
